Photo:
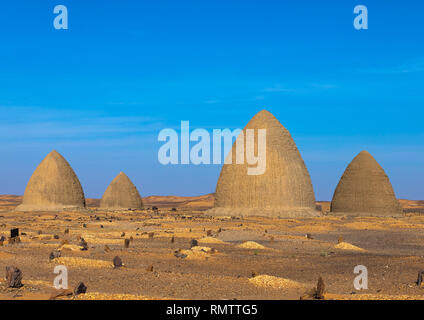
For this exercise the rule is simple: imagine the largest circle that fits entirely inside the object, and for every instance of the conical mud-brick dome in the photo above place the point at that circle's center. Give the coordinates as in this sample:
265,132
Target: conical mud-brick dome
365,189
53,186
121,194
283,190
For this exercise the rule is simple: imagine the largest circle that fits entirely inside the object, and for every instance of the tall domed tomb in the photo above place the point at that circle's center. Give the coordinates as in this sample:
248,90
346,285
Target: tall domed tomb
283,190
53,186
365,190
121,194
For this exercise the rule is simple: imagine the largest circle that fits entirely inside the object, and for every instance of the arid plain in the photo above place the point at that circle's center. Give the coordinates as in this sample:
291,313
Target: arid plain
235,258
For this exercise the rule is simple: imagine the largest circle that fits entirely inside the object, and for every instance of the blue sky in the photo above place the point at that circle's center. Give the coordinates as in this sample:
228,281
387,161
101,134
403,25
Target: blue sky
101,91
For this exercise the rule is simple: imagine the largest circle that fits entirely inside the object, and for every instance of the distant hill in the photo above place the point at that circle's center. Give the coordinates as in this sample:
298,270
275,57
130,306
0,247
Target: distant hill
199,202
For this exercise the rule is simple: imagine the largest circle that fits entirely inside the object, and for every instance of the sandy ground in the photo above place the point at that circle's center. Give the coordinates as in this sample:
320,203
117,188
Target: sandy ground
251,258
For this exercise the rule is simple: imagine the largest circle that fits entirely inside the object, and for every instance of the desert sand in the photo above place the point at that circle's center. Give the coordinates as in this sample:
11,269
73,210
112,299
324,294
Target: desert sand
235,258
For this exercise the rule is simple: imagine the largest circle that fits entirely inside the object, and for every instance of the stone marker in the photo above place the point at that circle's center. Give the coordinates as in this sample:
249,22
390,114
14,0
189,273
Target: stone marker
54,254
193,243
14,232
13,277
80,288
83,244
117,262
420,278
319,293
53,186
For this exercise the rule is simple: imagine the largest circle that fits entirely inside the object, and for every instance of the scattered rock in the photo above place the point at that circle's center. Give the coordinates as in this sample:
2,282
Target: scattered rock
420,278
60,293
320,290
83,244
178,254
13,277
54,254
14,240
193,243
80,288
14,232
117,262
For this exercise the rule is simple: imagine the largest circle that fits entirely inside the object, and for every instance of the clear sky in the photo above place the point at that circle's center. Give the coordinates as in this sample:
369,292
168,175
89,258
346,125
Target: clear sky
101,91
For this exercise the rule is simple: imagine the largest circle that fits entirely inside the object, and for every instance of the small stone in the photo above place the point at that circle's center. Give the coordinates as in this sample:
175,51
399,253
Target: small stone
80,288
151,235
123,234
84,225
66,231
101,226
340,239
420,278
14,232
319,293
209,233
127,243
13,277
117,262
56,236
60,293
54,254
309,236
40,232
83,244
178,254
193,243
172,239
254,274
150,268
